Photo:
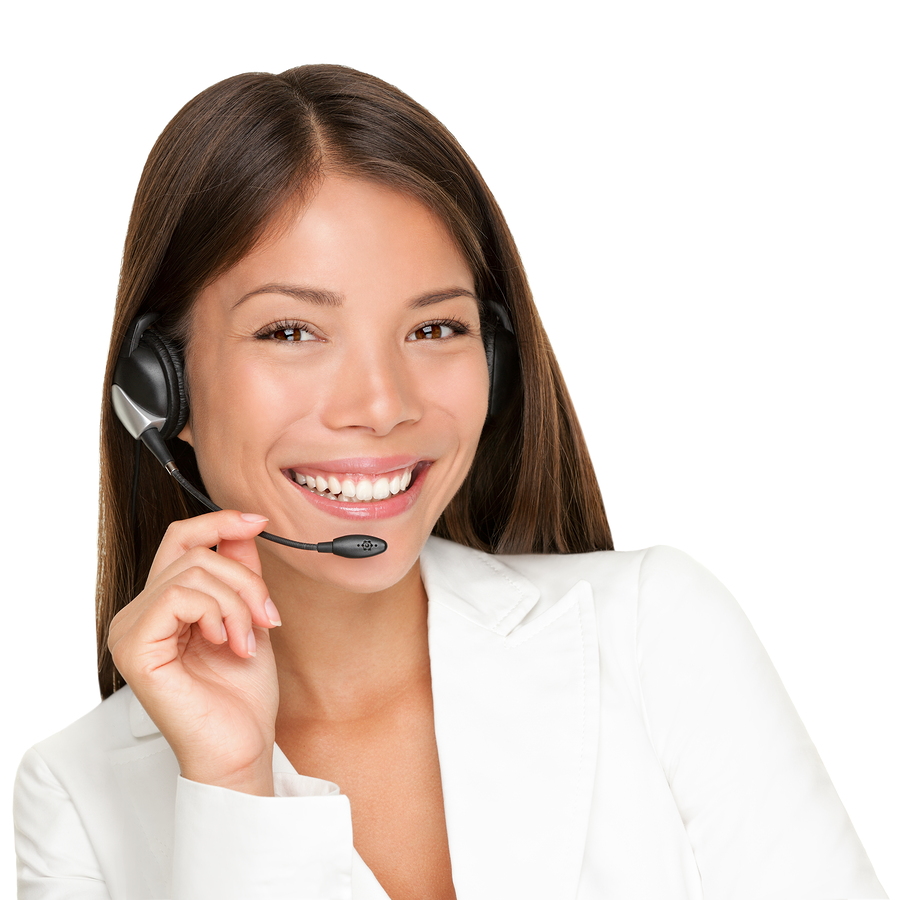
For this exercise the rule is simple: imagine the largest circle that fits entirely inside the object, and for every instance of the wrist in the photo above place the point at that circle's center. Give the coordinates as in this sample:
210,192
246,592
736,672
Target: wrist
256,779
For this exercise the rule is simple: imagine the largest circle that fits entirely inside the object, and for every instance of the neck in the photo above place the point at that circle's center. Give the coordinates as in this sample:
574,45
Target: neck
342,655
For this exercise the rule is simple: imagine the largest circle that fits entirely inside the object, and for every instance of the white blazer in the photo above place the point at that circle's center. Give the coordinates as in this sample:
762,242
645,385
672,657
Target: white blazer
608,727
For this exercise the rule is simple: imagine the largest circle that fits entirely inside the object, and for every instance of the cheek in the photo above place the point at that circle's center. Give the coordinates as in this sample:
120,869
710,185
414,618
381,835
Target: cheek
242,404
463,393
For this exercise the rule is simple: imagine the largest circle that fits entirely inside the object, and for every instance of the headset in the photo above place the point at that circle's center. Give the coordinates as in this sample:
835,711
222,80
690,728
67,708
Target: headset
149,396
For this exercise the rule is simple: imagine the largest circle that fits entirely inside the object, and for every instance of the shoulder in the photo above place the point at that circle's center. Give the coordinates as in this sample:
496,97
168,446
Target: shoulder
82,752
615,574
647,577
638,592
659,593
108,725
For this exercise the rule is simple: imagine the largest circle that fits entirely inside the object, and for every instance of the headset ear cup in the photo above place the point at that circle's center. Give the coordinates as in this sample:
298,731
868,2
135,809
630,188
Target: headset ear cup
172,366
148,382
502,352
503,368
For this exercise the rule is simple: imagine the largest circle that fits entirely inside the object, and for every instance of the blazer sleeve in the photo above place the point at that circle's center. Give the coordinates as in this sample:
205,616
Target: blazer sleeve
55,857
759,809
233,846
225,845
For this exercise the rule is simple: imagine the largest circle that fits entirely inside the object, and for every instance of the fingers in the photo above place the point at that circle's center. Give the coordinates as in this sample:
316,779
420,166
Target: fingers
222,593
155,629
243,552
236,560
193,597
207,531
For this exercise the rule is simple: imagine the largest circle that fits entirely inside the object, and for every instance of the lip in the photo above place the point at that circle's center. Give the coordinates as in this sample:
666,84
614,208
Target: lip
370,510
361,465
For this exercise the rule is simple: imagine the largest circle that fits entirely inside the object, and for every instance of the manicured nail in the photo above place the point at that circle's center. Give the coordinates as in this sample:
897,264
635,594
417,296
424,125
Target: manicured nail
272,612
252,517
251,643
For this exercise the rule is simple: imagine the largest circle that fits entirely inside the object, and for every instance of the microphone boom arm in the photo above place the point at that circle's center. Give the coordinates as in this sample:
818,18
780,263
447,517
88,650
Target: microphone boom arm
350,546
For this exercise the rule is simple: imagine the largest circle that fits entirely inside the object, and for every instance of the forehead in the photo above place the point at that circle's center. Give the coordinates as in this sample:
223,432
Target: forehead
353,237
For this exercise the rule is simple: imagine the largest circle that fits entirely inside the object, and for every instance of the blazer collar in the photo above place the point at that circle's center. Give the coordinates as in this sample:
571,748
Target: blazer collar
477,586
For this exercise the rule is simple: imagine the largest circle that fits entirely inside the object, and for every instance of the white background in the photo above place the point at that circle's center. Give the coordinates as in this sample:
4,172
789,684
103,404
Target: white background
706,196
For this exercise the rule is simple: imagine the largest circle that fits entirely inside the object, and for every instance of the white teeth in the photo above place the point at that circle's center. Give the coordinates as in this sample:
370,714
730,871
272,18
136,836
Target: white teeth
345,490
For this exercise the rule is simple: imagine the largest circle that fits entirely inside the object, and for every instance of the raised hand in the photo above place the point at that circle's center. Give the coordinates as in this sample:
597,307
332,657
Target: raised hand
194,647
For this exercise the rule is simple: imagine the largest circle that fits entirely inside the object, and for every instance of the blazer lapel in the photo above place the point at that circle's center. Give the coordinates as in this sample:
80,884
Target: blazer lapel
515,684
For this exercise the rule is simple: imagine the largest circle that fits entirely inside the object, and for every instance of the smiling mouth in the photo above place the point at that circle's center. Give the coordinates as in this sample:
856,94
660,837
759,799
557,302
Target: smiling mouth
349,488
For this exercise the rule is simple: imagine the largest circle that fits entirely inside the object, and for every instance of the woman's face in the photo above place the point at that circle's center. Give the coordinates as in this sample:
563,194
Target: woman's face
338,380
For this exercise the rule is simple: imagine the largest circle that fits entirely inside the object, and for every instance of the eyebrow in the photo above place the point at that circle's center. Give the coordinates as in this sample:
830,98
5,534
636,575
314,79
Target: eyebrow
321,297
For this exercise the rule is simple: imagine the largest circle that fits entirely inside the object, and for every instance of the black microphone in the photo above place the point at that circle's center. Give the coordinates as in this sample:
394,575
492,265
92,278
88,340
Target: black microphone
351,546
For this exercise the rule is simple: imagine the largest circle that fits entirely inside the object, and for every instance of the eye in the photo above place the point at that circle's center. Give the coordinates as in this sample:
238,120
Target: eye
286,332
436,331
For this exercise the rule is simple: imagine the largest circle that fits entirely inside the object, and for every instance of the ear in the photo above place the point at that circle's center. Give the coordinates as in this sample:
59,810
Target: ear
186,434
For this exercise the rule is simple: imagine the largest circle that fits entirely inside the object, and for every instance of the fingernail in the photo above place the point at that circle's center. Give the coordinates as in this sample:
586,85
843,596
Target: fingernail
224,633
251,643
272,612
252,517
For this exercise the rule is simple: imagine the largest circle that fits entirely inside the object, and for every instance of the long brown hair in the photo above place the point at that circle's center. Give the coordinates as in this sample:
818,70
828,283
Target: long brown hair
228,163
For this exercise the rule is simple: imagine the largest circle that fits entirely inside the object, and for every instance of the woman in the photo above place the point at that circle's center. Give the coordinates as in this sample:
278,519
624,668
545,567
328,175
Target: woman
505,710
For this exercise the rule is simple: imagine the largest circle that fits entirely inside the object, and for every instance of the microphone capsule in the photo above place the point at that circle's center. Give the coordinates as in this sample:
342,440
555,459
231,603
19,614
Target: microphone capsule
353,546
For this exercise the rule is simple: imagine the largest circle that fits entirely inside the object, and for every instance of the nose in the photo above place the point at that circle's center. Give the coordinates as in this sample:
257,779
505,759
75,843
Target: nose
373,388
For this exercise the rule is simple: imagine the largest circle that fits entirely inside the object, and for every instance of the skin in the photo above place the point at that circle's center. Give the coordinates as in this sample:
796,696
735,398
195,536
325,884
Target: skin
344,684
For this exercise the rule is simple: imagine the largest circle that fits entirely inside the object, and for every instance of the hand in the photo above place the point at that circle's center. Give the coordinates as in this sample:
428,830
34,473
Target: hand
188,648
